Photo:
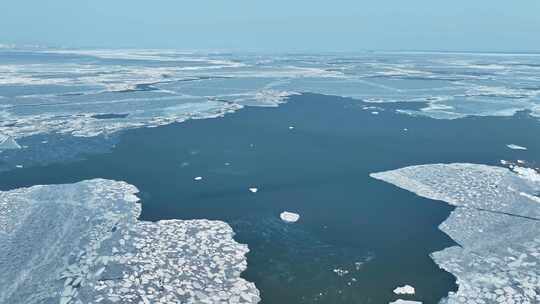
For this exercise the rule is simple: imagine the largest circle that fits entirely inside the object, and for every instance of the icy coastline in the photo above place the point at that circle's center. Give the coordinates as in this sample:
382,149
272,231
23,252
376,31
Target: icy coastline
82,243
496,224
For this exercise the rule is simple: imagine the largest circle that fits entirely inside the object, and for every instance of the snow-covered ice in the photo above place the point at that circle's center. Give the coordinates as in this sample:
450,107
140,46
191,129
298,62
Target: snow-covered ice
253,190
82,243
289,217
198,178
496,225
406,289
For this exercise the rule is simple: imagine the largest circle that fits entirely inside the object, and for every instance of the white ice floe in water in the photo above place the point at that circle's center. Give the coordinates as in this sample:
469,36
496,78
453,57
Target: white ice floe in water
407,289
289,217
400,301
103,95
253,190
198,178
516,147
82,243
496,225
7,143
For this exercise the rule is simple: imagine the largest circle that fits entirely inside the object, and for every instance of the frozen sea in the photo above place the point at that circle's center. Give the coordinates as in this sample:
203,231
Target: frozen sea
197,132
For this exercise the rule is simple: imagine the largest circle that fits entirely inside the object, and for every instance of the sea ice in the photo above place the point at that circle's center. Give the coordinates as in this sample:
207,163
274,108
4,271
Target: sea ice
407,289
82,243
400,301
253,190
516,147
289,217
7,142
198,178
496,225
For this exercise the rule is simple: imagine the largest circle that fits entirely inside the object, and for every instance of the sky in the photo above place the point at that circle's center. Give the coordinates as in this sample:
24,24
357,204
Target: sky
277,25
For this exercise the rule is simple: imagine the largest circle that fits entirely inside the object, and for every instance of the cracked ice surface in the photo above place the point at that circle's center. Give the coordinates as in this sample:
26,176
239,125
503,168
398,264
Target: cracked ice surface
82,243
496,224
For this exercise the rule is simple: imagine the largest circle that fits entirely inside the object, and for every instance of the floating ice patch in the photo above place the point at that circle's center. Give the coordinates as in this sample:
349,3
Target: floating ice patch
516,147
407,289
527,173
82,243
289,217
253,190
7,142
496,224
198,178
400,301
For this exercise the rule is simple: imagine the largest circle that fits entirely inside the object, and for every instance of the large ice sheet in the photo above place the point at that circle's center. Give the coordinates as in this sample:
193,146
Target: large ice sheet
89,93
496,224
40,90
82,243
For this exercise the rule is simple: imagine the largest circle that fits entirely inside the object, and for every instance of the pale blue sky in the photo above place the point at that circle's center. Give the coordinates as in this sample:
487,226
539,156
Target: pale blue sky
277,25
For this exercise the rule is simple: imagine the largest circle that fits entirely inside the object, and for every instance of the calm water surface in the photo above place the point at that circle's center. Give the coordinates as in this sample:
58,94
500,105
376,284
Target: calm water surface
357,238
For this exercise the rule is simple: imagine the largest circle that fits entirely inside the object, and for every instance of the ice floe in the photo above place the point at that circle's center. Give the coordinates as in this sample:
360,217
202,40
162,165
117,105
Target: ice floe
289,217
496,225
198,178
7,142
406,289
253,190
400,301
516,147
104,95
82,243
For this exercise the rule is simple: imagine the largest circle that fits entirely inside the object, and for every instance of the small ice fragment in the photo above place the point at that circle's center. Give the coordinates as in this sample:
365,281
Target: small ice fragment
198,178
375,112
407,289
516,147
227,164
289,217
291,127
405,129
520,161
400,301
19,166
253,190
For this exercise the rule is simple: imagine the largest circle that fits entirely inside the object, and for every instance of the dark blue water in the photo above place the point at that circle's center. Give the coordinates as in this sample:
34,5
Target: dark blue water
381,235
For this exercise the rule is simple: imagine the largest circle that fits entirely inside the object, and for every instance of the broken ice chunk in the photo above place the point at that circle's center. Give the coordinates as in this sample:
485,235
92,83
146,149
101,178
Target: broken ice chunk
253,190
407,289
516,147
198,178
400,301
289,217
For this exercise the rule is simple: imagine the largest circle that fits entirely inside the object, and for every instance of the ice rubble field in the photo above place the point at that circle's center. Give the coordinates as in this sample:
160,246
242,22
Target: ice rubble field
496,224
82,94
82,243
66,91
